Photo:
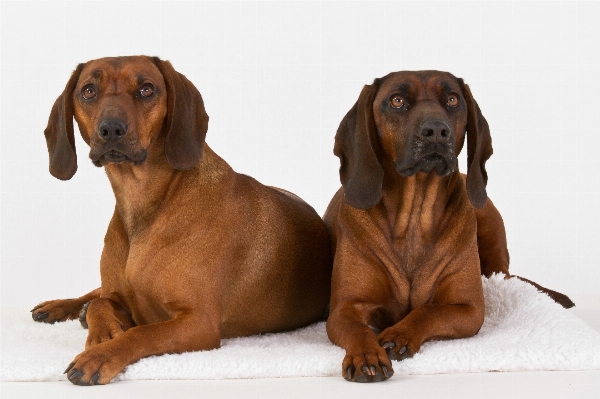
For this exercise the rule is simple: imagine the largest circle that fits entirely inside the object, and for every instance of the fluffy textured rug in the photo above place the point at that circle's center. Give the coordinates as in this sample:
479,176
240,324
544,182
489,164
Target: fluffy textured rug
523,330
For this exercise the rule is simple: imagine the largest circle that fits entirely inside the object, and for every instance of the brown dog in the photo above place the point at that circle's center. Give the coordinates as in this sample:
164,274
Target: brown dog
409,248
194,252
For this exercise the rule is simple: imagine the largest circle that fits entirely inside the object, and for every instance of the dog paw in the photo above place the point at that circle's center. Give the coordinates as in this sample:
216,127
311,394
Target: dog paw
104,331
94,367
56,311
398,345
367,367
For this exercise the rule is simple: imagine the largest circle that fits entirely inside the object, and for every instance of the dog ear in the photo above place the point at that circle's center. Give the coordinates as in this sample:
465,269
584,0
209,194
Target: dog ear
479,149
59,132
187,120
355,144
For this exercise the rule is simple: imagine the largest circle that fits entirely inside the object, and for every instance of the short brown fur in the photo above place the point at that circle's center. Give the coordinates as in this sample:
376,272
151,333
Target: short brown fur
410,235
194,252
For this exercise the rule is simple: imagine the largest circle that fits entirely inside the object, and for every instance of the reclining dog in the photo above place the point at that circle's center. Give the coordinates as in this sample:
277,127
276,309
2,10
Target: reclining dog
194,252
411,236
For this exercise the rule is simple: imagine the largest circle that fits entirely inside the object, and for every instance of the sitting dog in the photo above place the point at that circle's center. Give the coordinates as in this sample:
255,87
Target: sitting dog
194,252
411,236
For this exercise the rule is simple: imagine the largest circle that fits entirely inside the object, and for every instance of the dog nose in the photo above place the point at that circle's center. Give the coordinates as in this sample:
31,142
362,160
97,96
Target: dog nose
435,130
112,129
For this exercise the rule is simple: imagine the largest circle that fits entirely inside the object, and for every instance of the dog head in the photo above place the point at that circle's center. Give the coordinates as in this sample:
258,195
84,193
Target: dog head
415,121
123,106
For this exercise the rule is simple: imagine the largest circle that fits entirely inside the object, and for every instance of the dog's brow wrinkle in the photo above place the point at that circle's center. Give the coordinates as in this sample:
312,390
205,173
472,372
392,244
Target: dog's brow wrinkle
402,88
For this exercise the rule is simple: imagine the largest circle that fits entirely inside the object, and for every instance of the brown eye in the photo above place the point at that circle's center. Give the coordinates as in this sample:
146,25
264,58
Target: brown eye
147,90
88,92
397,102
452,100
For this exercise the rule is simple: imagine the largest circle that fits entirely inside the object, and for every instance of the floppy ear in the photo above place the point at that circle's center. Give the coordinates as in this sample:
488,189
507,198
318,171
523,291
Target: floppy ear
355,144
59,132
479,149
187,121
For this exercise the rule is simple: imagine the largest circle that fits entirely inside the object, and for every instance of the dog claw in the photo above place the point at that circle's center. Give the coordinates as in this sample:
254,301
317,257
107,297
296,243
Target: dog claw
349,374
373,370
388,346
36,307
74,376
40,316
95,378
364,377
402,350
385,371
69,367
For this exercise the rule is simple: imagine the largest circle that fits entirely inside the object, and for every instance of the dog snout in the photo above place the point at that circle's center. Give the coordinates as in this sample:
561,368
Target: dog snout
112,129
435,130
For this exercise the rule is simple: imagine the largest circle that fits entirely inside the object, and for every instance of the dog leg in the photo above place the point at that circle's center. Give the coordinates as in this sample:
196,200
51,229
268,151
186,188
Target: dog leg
62,309
365,360
106,320
491,241
456,311
429,322
184,333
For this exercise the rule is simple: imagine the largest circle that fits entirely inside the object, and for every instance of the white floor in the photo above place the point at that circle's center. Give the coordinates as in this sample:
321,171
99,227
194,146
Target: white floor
530,385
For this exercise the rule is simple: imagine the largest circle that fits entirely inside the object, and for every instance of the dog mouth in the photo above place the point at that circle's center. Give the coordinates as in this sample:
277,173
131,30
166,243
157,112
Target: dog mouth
115,156
433,159
436,157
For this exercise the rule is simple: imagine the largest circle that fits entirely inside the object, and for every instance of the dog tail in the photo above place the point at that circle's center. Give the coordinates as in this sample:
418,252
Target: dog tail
559,298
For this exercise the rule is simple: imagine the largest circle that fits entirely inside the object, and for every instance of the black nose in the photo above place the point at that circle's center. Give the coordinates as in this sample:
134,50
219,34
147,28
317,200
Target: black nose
112,129
435,130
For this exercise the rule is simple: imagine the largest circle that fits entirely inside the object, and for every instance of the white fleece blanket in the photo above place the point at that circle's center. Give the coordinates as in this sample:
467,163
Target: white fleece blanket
523,330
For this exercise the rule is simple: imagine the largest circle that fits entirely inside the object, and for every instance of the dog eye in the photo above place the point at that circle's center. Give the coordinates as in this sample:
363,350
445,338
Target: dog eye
452,100
397,102
88,92
147,90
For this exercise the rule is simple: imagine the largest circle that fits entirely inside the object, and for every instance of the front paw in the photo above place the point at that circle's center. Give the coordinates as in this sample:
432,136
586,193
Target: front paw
104,330
398,344
367,366
95,366
56,311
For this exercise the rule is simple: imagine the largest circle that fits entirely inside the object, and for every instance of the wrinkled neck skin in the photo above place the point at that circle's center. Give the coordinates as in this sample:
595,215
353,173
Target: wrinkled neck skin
417,206
142,191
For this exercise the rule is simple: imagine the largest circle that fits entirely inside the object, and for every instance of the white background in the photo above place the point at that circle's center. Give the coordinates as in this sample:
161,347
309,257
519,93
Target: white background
277,78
